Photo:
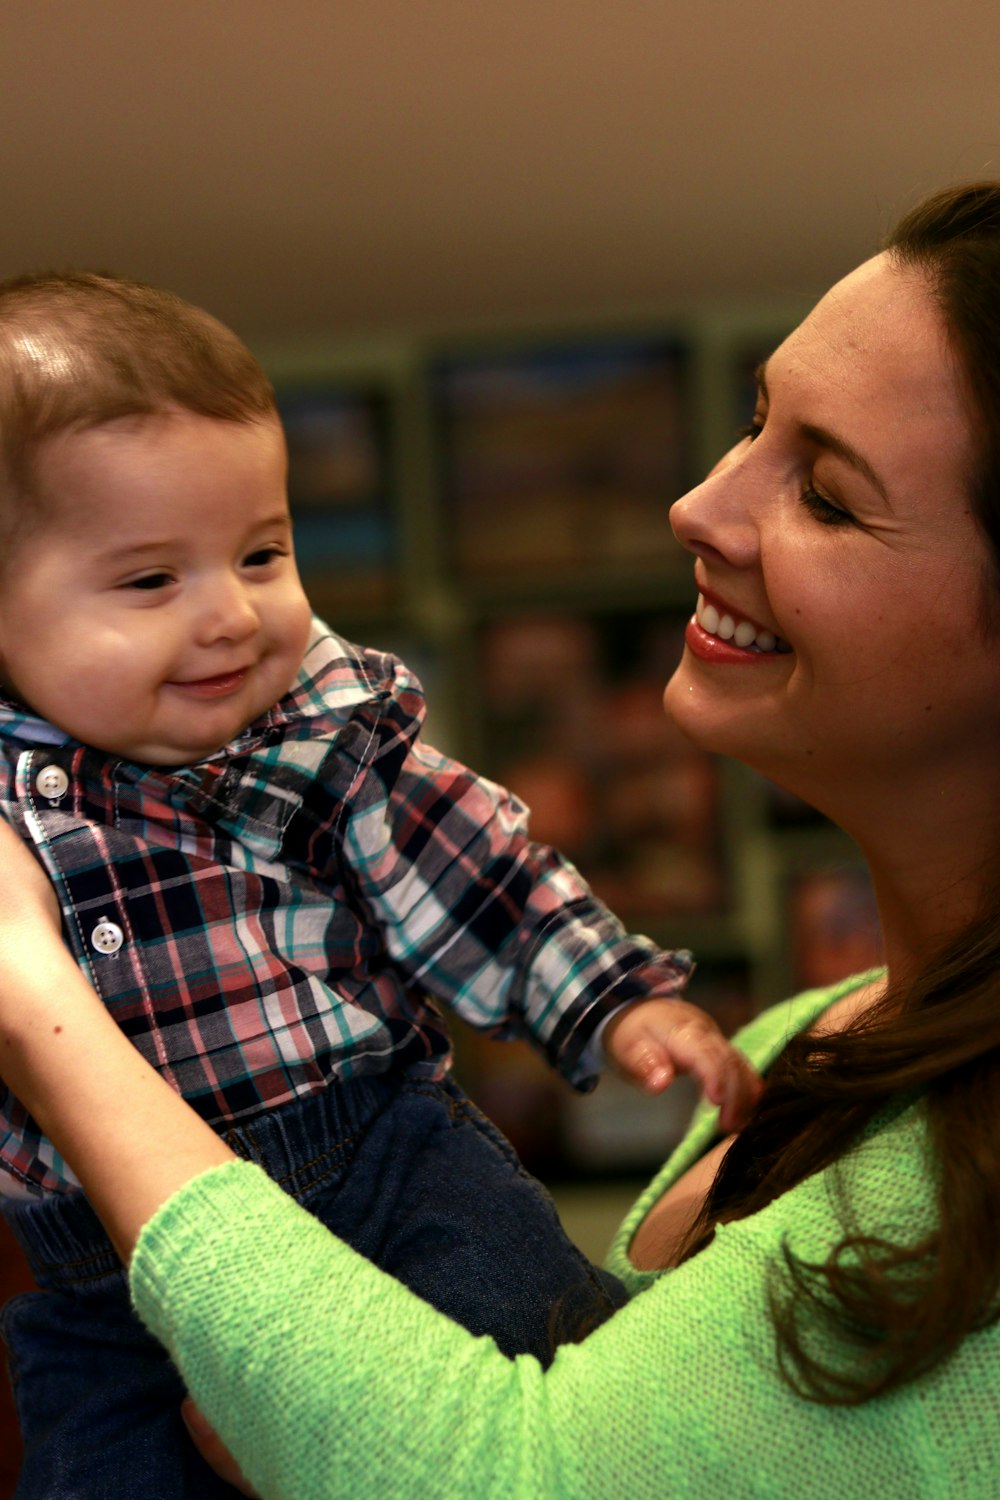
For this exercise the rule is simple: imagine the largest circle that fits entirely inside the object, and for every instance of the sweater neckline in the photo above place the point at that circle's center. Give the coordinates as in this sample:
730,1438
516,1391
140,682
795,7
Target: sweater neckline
761,1040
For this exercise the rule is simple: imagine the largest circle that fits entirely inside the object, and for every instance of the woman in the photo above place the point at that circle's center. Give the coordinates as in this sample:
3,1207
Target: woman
828,1326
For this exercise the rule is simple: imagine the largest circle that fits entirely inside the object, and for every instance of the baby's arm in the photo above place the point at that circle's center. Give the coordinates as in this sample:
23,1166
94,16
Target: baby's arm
503,930
650,1041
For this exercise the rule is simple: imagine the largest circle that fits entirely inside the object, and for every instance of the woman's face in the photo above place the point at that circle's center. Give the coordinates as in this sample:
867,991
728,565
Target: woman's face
838,540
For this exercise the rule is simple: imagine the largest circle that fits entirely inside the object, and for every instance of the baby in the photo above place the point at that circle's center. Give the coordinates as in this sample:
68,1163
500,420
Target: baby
267,875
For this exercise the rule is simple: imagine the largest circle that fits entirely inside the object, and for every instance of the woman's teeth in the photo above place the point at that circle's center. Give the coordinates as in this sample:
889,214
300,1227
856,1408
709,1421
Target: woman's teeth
740,632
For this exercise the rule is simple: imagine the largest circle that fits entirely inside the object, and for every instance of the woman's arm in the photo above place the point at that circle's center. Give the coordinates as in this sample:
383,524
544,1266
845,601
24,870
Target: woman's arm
64,1057
327,1378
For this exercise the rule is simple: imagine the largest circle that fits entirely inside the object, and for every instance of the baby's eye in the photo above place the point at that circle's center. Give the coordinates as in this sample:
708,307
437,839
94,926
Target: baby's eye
263,557
150,581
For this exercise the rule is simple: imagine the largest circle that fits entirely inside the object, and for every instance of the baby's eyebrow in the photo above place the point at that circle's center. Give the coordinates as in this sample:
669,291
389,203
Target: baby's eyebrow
137,550
157,546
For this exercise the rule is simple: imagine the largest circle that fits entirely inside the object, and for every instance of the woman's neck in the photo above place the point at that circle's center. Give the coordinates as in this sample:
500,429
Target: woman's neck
931,838
931,871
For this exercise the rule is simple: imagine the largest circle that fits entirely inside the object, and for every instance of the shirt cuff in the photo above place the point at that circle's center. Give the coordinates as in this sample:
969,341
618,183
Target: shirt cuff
593,1057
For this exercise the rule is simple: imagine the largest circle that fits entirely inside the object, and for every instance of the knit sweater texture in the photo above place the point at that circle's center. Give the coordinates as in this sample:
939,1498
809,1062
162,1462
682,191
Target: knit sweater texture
327,1378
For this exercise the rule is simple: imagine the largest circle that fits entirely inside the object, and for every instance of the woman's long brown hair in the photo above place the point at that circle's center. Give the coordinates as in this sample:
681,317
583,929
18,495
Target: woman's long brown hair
898,1309
901,1309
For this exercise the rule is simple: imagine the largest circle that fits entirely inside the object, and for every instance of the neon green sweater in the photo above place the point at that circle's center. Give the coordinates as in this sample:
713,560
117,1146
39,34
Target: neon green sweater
328,1378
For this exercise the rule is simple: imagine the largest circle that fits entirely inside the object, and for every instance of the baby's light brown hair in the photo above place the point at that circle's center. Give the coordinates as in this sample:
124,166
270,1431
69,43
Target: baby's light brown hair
81,348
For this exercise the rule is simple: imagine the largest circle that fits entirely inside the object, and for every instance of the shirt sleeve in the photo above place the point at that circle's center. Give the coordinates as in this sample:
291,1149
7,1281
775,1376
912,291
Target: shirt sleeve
327,1378
503,930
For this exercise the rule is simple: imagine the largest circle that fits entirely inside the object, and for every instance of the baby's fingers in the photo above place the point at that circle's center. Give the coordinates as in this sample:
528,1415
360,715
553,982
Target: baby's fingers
655,1039
735,1090
723,1073
641,1056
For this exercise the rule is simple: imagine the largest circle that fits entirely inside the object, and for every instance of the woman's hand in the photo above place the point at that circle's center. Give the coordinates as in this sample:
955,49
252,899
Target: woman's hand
29,911
35,966
212,1450
130,1139
26,893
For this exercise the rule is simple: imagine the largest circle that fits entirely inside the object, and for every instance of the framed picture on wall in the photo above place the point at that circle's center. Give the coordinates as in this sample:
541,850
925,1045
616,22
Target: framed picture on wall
340,486
563,458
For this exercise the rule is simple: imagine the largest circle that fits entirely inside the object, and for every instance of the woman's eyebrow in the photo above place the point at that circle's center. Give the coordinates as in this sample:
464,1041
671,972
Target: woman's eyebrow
823,438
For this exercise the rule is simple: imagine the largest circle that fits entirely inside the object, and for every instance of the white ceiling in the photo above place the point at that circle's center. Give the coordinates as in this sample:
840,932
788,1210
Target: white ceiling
331,167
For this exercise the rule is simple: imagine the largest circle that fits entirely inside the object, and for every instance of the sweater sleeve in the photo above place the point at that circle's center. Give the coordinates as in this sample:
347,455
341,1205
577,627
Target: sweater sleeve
327,1378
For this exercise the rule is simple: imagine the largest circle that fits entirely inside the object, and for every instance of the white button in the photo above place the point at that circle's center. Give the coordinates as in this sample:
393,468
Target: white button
107,937
52,782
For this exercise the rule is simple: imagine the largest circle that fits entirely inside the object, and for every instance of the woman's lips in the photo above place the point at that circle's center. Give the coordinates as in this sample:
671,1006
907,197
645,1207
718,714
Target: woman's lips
712,648
718,624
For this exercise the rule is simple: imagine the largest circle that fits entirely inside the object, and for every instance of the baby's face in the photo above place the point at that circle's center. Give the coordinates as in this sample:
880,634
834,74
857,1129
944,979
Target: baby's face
157,611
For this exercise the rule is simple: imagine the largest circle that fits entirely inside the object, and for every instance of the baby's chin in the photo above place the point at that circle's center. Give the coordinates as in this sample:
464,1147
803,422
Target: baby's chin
162,756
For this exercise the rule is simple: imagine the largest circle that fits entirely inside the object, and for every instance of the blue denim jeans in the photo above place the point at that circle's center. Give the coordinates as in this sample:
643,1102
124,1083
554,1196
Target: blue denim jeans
407,1171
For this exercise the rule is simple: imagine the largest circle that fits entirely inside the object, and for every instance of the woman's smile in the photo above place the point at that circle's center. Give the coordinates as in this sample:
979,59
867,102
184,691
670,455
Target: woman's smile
718,633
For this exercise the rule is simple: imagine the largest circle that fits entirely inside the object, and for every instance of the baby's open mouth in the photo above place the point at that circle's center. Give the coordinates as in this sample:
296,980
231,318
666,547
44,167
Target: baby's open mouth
208,687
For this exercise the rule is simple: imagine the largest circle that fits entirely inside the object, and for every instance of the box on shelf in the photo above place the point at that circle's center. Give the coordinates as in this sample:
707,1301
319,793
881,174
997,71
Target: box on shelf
560,457
341,491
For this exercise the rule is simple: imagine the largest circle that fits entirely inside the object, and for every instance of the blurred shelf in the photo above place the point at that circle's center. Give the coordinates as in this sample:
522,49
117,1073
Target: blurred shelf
492,503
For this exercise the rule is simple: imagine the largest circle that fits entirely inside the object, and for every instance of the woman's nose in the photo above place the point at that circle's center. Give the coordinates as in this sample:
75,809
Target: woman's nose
716,520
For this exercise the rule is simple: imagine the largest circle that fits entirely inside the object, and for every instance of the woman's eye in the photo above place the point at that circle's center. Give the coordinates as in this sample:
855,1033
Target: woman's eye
824,510
752,430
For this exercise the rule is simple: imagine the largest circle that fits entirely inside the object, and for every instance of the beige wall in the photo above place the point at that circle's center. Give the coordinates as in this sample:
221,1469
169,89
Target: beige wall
326,166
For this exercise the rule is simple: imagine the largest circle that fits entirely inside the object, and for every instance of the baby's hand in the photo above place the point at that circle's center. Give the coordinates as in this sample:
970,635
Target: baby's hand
651,1041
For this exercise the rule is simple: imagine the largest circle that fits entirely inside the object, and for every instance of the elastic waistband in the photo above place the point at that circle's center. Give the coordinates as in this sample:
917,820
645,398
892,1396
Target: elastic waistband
302,1145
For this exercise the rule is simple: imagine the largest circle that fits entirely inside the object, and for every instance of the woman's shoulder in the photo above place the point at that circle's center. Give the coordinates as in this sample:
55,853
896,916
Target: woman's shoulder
761,1041
763,1038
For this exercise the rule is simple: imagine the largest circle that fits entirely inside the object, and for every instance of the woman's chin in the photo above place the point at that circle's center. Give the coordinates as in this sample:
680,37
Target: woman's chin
714,726
721,724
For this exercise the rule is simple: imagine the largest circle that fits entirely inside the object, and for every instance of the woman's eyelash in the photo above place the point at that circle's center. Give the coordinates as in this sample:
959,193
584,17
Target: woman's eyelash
816,504
824,510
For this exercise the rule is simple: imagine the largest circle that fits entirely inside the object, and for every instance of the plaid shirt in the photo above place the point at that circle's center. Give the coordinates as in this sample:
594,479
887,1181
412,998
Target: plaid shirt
275,916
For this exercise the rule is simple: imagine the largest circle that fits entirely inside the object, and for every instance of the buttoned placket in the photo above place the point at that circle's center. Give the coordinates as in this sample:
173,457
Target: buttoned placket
52,783
107,937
